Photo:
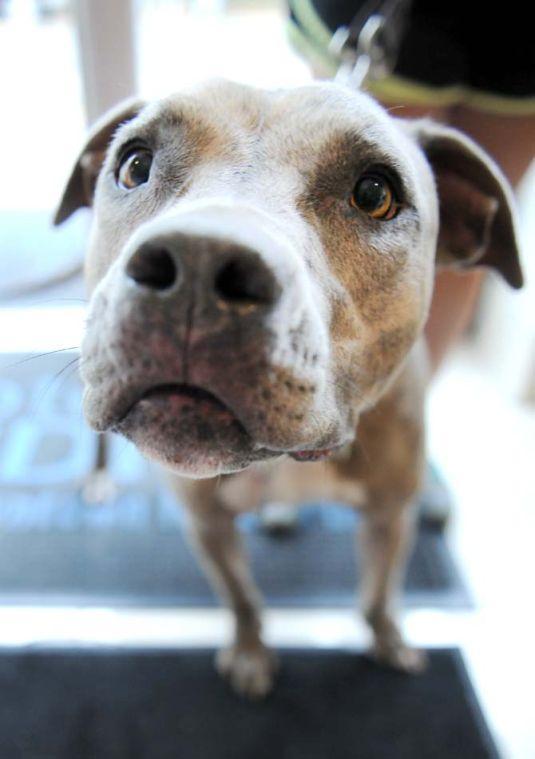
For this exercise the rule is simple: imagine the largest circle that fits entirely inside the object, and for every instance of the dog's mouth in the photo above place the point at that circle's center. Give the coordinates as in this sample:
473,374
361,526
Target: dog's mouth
189,429
195,396
180,422
176,400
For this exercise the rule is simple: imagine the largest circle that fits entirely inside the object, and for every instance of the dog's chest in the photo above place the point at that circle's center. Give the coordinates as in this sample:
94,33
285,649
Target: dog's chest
290,482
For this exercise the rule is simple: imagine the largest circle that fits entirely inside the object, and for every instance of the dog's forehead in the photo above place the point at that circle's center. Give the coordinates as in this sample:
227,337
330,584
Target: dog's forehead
307,120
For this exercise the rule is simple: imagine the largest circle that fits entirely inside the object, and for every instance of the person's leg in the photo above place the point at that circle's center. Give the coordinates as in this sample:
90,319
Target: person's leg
452,307
510,141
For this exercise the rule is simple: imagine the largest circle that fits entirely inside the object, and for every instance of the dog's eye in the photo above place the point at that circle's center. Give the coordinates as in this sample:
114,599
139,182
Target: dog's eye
134,169
374,195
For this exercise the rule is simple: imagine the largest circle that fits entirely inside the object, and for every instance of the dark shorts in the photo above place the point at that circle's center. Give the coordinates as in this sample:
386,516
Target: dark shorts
478,54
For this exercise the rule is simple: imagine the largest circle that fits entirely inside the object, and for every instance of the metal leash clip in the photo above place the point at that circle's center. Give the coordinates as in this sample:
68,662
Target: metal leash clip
367,61
368,51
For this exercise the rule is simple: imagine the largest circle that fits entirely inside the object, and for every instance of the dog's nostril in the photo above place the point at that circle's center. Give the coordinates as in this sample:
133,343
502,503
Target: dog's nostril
245,280
153,267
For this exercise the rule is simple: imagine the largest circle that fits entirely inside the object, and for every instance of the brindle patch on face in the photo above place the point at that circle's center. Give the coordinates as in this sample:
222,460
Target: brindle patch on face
343,157
375,317
368,271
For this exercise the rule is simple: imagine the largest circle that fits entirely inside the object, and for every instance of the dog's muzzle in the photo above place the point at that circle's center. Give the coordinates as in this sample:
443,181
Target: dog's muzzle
206,354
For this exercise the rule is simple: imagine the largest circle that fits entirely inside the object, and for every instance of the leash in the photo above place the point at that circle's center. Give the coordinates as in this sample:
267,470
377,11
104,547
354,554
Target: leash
369,47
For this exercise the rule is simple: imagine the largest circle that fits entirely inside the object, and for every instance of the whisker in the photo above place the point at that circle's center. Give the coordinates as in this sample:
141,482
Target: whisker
40,355
65,378
49,385
73,370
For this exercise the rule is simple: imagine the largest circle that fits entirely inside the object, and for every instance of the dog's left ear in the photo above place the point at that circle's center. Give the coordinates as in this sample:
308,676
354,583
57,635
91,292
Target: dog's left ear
81,184
477,216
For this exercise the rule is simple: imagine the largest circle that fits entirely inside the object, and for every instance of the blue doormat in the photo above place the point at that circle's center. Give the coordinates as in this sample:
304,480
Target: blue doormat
54,548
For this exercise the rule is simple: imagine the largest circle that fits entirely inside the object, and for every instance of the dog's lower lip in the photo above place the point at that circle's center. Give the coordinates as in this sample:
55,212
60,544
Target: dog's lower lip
191,391
184,390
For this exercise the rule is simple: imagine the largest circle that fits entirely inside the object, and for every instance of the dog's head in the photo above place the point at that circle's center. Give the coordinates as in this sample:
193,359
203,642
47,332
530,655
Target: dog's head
261,263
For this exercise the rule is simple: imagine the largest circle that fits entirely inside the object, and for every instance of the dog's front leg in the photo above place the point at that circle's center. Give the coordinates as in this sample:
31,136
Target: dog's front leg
247,662
385,540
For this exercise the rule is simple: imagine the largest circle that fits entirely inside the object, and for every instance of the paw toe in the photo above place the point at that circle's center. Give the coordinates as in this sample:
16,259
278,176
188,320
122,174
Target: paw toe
250,671
402,657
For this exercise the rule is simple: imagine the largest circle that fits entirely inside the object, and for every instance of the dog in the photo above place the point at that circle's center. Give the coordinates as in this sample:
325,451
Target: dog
260,269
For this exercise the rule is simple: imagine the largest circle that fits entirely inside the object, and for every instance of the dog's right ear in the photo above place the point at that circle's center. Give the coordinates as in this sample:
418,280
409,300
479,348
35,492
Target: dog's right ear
477,210
81,184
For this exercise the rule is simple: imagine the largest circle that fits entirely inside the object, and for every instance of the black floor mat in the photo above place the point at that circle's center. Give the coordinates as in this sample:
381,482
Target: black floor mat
171,705
54,548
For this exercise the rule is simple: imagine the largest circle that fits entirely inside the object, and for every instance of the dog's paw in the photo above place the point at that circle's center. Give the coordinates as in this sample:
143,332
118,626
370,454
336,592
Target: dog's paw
249,669
400,656
99,488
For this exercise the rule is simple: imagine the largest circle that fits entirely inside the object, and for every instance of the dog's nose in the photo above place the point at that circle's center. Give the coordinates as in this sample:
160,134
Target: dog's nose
243,279
152,265
232,276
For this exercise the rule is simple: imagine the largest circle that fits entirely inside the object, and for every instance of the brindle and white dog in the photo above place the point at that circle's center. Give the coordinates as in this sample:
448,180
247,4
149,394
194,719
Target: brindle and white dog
260,267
